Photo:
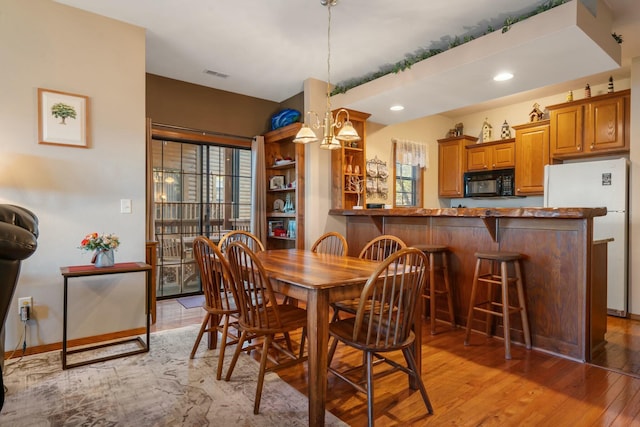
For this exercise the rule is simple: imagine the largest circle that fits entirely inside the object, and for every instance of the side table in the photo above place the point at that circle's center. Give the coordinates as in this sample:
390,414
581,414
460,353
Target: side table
90,270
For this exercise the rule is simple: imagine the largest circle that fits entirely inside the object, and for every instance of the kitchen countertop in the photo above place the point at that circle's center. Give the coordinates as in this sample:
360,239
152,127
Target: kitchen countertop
518,212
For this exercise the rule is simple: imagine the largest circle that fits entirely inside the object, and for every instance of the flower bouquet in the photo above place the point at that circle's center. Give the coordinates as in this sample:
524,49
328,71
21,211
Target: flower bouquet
103,245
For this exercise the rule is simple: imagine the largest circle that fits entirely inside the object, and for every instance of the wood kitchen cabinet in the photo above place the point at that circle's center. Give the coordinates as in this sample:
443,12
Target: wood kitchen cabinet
491,155
532,154
451,165
590,127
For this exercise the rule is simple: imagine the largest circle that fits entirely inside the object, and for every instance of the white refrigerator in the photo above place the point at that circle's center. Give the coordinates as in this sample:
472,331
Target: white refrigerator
602,183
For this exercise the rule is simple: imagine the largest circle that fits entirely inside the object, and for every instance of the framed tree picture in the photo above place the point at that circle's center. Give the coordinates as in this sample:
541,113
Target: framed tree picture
63,118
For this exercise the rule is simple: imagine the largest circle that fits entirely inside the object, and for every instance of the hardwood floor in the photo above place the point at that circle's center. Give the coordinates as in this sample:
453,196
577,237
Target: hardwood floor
475,385
621,351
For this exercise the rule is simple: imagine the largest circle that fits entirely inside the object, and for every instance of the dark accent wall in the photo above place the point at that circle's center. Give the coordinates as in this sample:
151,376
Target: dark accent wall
193,106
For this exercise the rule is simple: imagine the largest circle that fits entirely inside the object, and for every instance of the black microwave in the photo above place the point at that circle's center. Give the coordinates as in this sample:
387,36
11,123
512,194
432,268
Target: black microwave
497,183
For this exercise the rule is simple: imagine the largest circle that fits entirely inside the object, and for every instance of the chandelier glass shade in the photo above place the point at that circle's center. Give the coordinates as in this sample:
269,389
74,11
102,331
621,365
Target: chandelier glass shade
347,132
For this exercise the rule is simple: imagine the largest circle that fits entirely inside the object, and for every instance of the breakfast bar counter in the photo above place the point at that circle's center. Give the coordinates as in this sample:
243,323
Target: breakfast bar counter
564,268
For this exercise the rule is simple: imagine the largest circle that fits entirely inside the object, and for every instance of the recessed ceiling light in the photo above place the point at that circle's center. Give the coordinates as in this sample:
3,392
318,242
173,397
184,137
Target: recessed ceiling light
396,108
501,77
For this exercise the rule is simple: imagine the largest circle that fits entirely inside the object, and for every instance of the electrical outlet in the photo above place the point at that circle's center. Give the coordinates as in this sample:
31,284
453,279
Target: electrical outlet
25,307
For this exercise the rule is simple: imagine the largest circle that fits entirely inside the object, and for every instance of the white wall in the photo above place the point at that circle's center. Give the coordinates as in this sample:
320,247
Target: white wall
74,191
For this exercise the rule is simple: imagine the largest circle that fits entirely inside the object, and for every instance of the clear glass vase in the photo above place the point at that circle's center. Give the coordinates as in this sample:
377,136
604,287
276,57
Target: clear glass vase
104,258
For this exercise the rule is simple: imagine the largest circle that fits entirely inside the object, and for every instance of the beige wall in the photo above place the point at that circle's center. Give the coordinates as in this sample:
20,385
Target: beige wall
73,191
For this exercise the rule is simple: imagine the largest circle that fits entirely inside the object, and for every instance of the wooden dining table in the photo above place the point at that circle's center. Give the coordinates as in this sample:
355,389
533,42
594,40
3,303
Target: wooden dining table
318,280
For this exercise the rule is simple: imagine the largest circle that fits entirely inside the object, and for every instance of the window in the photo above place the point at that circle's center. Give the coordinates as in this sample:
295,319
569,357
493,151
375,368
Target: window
409,162
407,184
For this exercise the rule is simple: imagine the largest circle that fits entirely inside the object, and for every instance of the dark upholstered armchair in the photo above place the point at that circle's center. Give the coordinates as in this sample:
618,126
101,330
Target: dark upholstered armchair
18,240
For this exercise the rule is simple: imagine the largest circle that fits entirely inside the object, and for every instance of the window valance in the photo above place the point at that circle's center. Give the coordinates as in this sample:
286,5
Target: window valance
411,153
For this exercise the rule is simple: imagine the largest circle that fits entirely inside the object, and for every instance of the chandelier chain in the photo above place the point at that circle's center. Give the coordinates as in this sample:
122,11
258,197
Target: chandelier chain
329,57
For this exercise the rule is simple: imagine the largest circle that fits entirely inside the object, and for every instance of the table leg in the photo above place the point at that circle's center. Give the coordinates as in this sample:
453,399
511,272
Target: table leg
318,338
64,325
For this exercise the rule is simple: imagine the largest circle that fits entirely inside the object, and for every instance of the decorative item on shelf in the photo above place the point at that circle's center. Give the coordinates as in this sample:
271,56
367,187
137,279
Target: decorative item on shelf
347,133
354,144
536,113
281,162
587,91
284,118
278,205
348,168
357,187
291,231
452,133
459,127
276,228
288,205
570,96
356,169
610,87
276,182
103,246
486,131
505,133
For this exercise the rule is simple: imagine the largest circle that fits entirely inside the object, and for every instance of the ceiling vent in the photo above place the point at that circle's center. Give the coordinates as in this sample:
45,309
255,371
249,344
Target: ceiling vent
216,74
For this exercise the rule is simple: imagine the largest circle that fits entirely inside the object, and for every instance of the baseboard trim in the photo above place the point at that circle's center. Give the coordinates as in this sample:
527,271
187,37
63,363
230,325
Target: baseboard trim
77,342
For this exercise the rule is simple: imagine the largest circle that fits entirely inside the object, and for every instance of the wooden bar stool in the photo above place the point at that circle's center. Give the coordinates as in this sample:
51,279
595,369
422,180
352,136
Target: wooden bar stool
502,308
433,291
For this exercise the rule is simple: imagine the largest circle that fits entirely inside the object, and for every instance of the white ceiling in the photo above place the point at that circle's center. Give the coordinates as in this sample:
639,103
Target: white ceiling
269,47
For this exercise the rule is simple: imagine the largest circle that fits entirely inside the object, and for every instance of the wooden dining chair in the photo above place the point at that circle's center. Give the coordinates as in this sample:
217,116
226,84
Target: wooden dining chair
261,315
376,249
220,304
246,237
384,321
332,243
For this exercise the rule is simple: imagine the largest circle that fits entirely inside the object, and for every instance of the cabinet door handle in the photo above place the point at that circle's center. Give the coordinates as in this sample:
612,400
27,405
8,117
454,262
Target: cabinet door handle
591,146
578,148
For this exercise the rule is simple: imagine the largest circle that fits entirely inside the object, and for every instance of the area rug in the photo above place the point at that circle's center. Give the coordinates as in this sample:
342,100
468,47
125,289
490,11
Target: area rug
160,388
194,301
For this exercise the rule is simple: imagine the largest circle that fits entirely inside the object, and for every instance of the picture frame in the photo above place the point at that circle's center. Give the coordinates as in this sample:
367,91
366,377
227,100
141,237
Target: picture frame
63,118
276,182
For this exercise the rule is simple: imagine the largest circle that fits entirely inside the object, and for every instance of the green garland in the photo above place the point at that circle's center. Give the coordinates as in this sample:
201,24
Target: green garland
423,54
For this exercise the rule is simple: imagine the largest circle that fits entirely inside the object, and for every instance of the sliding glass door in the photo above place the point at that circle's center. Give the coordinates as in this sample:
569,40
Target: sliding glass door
199,189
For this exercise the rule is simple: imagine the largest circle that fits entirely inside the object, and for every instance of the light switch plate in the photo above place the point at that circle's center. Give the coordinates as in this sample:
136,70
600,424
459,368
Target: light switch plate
125,206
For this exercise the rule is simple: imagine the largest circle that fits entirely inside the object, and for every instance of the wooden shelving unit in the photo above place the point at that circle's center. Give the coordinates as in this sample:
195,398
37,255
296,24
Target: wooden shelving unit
284,160
348,167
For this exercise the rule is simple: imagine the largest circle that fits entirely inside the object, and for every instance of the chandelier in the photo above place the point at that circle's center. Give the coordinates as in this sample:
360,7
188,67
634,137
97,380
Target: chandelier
330,141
